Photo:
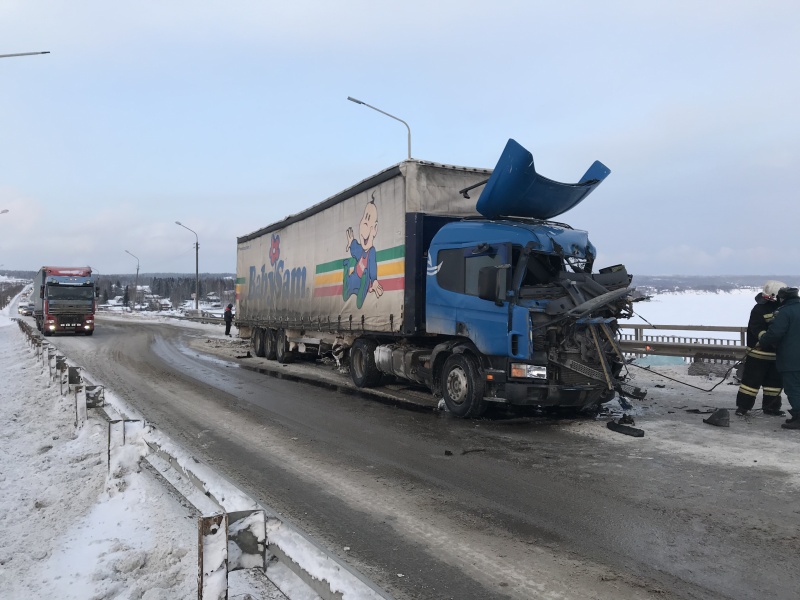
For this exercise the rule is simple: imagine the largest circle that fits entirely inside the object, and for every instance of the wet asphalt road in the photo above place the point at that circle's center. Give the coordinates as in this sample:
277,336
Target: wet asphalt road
429,506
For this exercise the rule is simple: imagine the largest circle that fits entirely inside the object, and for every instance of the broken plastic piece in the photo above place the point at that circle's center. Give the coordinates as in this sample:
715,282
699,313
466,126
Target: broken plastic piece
626,429
719,418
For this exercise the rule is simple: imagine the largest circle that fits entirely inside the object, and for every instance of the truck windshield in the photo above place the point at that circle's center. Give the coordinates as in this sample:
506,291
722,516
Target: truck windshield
55,292
541,268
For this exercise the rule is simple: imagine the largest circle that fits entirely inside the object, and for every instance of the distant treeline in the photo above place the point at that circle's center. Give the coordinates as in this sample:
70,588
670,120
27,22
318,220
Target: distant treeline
177,288
650,284
9,289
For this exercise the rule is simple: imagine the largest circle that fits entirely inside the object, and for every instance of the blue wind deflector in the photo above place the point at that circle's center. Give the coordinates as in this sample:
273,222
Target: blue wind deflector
515,189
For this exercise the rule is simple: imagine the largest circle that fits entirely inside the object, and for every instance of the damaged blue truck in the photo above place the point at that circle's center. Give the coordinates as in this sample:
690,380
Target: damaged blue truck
404,274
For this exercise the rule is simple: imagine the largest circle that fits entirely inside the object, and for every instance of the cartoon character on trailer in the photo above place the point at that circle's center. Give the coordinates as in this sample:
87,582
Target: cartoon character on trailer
361,270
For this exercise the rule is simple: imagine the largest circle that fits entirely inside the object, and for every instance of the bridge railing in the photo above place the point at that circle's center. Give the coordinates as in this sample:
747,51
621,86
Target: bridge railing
682,340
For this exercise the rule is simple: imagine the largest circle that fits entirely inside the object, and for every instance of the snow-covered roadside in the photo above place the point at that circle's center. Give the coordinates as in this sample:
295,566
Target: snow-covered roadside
72,530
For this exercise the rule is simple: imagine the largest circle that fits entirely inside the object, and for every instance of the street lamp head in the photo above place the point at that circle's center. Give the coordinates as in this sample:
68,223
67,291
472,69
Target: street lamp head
383,112
4,211
178,223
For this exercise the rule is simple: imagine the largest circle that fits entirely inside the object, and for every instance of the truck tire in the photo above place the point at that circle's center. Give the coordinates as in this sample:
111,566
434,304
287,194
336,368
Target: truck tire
463,386
90,332
270,343
363,370
282,353
257,340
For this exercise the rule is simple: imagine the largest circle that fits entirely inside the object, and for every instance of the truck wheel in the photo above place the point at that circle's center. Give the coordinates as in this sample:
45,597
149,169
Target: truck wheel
462,386
90,332
363,370
270,344
257,340
282,348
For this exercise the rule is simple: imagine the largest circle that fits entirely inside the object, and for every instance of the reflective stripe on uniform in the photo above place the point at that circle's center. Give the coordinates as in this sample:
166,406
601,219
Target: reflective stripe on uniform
762,354
746,389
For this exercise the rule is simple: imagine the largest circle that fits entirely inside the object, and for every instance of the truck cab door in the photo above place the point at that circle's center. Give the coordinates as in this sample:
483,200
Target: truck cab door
454,305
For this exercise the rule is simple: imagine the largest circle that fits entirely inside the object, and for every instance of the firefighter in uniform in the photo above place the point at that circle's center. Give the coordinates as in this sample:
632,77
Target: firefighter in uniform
759,364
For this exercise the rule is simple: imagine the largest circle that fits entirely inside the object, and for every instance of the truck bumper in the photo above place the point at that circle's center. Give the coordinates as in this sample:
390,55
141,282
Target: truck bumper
544,395
69,324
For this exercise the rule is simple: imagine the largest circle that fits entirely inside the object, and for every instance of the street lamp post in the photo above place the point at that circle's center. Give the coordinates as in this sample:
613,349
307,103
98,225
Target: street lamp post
388,115
136,284
196,266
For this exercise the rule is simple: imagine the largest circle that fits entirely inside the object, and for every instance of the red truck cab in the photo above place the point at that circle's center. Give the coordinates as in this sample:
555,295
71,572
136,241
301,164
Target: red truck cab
65,300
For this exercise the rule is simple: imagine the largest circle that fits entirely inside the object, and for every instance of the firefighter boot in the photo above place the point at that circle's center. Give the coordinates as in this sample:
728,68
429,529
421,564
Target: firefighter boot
771,405
794,422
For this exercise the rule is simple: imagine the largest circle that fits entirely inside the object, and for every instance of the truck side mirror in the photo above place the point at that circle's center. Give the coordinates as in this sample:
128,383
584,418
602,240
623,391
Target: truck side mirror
488,279
491,286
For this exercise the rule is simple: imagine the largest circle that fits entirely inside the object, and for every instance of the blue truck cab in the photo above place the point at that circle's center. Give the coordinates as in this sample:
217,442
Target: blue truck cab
525,319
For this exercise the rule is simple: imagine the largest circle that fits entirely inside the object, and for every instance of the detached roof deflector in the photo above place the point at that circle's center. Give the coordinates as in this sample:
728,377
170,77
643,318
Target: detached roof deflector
515,189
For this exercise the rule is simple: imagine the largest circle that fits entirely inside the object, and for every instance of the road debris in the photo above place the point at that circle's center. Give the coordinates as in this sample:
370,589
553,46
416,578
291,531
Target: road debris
720,418
624,425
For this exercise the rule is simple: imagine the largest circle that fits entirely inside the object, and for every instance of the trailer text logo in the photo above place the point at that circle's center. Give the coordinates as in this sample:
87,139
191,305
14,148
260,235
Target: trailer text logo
280,282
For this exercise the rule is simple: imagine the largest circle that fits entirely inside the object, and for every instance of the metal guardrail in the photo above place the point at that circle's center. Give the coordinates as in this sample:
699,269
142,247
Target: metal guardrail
661,344
669,343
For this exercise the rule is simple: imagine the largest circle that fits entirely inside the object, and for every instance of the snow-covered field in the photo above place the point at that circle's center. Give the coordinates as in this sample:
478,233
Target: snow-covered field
72,530
730,309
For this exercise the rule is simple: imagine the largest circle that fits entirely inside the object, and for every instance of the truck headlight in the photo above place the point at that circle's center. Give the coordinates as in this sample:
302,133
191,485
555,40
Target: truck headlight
528,371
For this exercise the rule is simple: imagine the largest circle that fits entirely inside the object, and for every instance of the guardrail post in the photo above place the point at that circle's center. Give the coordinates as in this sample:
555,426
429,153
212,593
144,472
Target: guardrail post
212,558
225,543
73,377
61,368
118,425
80,406
95,396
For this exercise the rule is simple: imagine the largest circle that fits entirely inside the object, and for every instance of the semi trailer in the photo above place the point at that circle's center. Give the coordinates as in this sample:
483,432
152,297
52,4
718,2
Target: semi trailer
404,274
64,300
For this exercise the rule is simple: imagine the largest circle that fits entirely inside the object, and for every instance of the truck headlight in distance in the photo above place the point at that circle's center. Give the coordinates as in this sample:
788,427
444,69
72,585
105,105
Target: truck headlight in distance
523,370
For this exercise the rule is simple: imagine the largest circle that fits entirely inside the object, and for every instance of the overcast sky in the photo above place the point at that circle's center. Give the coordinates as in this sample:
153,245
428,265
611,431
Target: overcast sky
228,116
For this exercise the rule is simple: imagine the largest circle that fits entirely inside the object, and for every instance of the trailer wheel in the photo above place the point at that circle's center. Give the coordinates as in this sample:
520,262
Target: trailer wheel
257,340
282,352
462,386
270,344
363,370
